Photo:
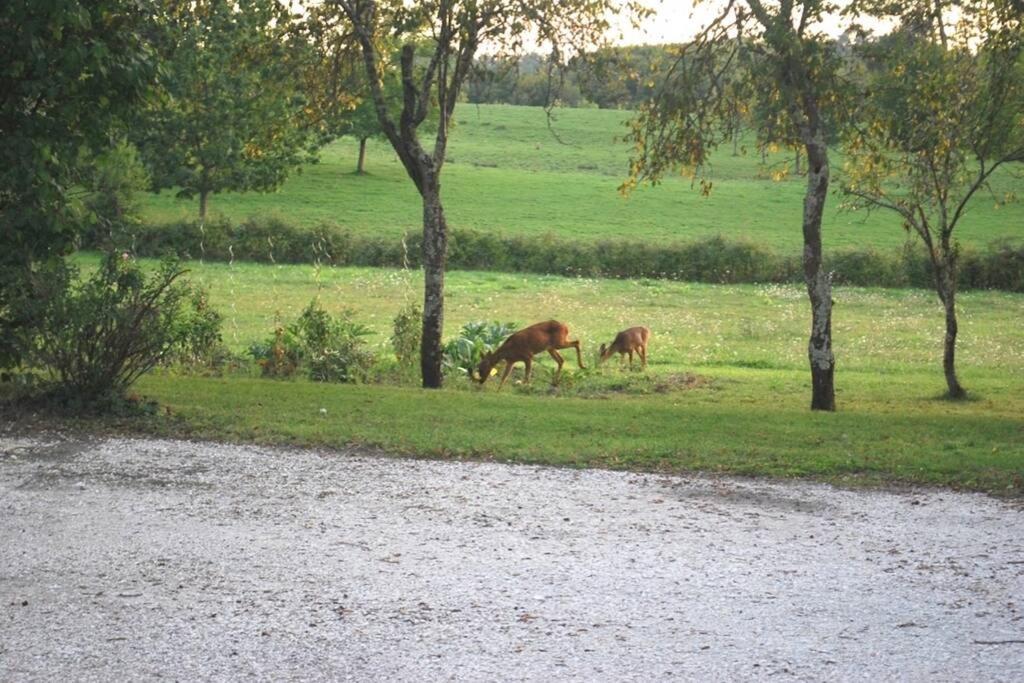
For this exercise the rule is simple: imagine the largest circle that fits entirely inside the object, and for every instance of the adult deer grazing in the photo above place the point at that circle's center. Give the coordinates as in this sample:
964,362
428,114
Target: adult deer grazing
628,341
523,345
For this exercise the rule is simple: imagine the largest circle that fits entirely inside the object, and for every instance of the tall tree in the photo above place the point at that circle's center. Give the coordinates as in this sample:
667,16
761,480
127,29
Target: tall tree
232,116
788,57
452,31
70,72
944,111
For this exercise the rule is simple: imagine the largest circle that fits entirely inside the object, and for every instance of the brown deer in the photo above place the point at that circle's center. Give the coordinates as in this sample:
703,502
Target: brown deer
524,345
628,341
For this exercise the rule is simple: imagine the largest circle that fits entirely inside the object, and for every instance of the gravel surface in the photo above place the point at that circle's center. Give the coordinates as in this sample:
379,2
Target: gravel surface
141,559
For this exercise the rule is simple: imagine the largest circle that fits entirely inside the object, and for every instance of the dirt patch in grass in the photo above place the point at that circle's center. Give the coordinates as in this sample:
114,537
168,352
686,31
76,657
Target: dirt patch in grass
681,381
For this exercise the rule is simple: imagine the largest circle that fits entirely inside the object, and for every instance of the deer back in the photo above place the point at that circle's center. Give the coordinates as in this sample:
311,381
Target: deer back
630,340
532,340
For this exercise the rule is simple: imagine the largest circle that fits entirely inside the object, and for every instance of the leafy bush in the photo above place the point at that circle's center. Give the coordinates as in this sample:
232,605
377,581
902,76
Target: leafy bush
113,179
280,355
407,335
714,259
335,348
331,349
462,355
203,346
93,338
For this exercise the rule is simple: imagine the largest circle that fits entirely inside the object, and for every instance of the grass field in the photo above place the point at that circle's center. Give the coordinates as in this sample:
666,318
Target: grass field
694,325
508,173
726,391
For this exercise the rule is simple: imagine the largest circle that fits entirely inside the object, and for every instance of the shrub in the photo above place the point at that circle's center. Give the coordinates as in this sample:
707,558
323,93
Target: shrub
331,349
334,348
203,346
113,179
407,335
93,338
864,267
463,354
713,259
280,355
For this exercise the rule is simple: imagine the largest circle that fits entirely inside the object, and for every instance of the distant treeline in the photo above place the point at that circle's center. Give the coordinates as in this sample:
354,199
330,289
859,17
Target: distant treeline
611,78
712,260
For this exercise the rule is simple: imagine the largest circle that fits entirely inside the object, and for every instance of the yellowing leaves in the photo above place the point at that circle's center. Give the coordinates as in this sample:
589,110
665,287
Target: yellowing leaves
252,151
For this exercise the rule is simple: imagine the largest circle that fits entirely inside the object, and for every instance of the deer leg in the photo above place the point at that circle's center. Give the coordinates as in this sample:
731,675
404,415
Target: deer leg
504,375
579,354
643,356
631,359
558,359
529,367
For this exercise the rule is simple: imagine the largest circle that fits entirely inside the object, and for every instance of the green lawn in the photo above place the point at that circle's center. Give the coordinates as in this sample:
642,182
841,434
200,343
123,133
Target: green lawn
727,388
750,422
694,325
508,173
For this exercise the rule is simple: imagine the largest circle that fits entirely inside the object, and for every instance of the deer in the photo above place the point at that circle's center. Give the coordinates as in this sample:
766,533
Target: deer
523,345
628,341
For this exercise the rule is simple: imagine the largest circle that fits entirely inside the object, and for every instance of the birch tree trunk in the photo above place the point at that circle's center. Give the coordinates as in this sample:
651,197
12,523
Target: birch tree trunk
819,282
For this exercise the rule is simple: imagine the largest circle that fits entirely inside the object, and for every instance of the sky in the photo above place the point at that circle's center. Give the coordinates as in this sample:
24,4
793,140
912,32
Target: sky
677,21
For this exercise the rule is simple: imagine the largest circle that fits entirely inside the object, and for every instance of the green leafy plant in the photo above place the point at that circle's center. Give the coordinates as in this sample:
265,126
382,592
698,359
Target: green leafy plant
330,348
335,347
114,178
407,334
92,338
280,355
203,347
463,354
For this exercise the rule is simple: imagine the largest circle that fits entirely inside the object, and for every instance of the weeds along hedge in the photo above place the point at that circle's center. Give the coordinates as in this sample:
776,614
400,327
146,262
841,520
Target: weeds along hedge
712,260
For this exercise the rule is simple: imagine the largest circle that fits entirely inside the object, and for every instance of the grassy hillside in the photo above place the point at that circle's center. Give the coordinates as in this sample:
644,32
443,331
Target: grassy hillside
509,173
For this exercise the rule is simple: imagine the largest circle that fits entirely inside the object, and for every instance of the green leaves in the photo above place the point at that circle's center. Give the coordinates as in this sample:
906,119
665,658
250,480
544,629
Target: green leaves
61,64
462,355
232,111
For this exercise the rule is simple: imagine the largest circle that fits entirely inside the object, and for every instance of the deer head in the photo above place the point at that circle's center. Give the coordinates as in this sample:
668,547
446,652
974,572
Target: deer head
483,371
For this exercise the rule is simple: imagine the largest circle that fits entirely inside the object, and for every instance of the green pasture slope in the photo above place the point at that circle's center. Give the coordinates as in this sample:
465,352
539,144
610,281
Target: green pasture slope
507,172
726,390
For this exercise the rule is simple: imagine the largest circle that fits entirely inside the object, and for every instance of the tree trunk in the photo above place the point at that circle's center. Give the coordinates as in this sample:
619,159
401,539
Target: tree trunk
945,283
949,352
435,250
796,168
362,156
204,195
819,282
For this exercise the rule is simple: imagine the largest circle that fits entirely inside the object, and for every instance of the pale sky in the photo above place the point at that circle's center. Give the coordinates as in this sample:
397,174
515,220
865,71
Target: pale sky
677,21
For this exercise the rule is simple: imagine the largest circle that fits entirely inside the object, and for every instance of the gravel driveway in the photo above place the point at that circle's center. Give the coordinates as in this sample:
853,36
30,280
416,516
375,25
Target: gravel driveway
143,559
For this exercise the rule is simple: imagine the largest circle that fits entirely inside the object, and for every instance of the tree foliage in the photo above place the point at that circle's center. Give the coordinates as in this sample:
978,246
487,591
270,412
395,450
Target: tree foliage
70,72
780,52
232,113
944,111
61,64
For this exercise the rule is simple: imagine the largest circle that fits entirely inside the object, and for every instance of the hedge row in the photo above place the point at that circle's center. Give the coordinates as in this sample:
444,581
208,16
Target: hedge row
714,260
